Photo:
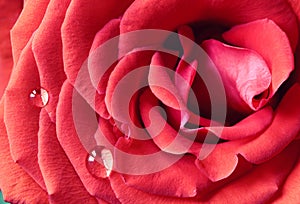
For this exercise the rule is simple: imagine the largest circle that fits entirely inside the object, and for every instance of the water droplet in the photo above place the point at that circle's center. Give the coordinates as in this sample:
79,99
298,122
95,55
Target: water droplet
39,97
100,162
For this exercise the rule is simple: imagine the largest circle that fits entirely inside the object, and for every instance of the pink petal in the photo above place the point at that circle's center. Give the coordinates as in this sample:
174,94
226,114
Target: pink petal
56,168
244,73
258,36
17,186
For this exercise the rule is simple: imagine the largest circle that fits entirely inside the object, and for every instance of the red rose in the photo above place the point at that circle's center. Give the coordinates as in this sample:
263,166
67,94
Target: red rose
152,102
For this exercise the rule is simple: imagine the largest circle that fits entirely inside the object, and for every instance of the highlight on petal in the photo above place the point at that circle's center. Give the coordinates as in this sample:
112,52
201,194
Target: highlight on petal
269,41
245,74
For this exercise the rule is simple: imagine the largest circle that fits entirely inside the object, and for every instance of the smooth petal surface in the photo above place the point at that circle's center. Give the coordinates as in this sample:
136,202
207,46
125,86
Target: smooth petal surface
245,74
17,186
258,36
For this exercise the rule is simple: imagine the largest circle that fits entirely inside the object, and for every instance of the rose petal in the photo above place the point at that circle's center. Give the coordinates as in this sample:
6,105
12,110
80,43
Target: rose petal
173,13
182,178
250,126
100,54
244,73
9,12
262,183
284,128
47,50
261,148
163,135
70,102
296,7
221,162
127,194
258,36
56,167
161,85
290,192
27,23
17,186
21,116
127,65
83,20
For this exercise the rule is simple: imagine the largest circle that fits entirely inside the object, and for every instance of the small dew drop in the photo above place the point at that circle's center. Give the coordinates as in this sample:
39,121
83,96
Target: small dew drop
100,162
39,97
